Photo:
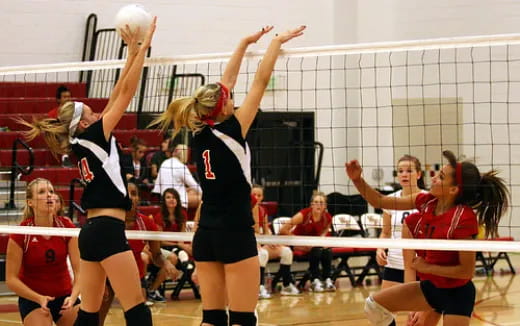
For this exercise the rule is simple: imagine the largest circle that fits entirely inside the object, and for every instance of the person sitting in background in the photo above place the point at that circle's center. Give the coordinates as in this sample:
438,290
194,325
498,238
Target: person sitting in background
63,95
135,165
171,218
36,265
173,173
314,221
160,156
267,252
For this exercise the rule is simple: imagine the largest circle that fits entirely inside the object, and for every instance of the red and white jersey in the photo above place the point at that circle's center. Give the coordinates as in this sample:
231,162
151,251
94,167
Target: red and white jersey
459,222
311,227
142,223
44,263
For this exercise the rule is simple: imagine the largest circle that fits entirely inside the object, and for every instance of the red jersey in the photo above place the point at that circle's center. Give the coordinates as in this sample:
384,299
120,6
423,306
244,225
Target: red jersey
459,222
142,223
309,226
263,221
44,263
53,113
174,227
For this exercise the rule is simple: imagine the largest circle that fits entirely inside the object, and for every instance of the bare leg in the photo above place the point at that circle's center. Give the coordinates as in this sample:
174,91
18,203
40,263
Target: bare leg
212,282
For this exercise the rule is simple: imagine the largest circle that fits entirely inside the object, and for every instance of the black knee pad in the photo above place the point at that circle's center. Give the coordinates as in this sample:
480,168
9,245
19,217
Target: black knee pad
242,318
215,317
87,318
138,315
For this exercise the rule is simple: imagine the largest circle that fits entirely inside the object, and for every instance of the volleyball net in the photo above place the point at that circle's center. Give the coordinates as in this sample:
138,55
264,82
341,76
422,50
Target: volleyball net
323,107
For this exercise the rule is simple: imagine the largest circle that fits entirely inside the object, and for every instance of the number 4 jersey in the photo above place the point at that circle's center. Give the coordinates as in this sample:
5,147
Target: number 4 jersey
44,263
100,169
223,166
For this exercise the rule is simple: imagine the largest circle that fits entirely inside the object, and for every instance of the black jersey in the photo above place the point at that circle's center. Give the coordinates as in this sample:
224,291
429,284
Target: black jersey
224,170
100,169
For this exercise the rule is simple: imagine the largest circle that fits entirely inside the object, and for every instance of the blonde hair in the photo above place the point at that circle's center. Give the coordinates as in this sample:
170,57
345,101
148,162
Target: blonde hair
28,211
55,131
317,193
187,112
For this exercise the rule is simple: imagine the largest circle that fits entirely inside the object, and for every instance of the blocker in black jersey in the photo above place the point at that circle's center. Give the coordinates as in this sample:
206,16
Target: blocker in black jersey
223,166
100,169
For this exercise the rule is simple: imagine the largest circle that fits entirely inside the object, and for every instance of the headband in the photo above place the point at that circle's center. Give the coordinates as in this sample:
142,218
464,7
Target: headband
458,177
76,117
224,96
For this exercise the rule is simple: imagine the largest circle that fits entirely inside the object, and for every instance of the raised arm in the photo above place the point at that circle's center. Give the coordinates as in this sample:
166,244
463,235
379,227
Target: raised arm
128,84
374,197
229,78
247,112
133,49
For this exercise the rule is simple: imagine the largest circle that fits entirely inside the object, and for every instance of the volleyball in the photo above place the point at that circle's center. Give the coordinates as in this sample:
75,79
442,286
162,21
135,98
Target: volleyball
135,16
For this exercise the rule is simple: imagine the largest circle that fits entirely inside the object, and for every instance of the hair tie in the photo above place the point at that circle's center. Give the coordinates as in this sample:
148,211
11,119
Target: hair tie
196,100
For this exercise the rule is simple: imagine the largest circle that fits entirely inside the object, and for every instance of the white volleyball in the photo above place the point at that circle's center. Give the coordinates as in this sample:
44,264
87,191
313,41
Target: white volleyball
135,16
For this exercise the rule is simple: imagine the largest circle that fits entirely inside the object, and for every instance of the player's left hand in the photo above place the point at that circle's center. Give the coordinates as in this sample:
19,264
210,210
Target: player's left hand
253,38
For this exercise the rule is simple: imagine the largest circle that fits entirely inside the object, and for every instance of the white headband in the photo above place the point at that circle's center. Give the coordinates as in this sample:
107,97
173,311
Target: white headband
76,117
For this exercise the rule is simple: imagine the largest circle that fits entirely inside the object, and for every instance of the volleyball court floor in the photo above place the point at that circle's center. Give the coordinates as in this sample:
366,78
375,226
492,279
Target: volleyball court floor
498,303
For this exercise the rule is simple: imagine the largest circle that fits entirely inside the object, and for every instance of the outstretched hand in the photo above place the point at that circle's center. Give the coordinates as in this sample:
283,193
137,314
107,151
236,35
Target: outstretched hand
147,41
353,170
290,34
131,39
253,38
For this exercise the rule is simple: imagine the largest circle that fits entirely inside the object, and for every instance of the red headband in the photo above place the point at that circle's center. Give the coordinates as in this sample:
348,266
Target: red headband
224,95
458,177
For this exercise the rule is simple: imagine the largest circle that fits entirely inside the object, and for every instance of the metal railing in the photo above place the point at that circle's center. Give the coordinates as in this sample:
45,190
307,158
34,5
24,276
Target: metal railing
17,168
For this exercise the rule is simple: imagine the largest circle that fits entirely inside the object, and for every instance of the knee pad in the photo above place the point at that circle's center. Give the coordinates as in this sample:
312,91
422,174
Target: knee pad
87,318
242,318
215,317
263,257
377,314
183,256
286,256
138,315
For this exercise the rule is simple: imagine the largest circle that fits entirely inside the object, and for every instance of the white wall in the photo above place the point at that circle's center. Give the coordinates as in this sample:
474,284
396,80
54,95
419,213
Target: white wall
36,31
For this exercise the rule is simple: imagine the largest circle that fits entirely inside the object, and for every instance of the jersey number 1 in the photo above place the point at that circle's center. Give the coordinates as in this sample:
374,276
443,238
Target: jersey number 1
207,165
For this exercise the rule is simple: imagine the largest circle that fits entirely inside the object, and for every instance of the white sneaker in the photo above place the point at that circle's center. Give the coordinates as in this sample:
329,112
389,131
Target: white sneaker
263,294
317,286
290,290
329,285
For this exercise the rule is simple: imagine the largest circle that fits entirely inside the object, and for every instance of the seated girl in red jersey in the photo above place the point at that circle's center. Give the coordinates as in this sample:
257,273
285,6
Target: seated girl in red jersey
136,221
446,212
171,218
267,252
37,268
314,221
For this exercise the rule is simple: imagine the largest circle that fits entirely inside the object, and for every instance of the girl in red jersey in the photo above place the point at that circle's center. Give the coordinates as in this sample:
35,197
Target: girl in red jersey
314,221
36,266
446,212
267,252
171,218
136,221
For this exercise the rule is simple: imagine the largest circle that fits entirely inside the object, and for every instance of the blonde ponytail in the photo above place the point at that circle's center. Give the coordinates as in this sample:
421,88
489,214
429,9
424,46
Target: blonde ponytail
55,132
187,112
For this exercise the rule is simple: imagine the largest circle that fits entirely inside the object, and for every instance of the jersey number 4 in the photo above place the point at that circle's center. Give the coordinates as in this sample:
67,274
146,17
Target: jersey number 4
207,165
84,170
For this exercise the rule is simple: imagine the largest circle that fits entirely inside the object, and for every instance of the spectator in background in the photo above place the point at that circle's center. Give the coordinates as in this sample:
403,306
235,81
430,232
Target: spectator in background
63,95
314,221
135,166
158,157
173,173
